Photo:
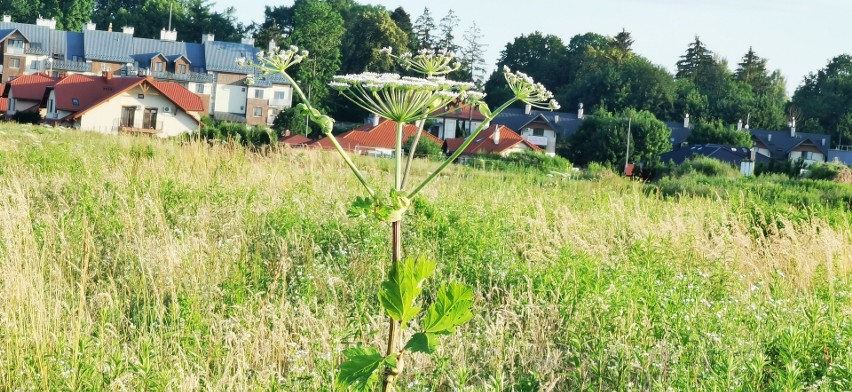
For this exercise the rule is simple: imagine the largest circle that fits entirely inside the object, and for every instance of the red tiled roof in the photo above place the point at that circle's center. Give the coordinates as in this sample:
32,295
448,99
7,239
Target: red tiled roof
29,87
484,142
4,104
368,136
464,113
90,91
453,144
178,94
295,140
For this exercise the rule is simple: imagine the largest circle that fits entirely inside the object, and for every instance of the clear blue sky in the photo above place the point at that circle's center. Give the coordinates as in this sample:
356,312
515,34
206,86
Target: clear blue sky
797,36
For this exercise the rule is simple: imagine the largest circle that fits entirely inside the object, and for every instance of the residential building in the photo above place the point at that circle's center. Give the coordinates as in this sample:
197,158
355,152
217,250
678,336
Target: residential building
729,154
208,69
456,121
132,104
26,92
541,127
792,145
496,139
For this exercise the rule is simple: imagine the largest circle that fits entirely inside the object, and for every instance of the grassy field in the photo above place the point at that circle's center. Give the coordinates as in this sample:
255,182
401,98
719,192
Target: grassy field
131,264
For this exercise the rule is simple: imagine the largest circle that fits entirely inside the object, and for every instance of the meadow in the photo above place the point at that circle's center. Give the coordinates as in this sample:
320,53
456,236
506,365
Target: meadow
131,264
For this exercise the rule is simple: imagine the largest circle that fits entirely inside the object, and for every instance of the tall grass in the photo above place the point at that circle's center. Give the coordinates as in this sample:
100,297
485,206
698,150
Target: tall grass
138,264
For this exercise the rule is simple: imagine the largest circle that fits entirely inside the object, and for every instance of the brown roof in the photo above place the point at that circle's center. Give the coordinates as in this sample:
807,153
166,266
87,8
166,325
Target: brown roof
29,87
178,94
295,140
484,142
466,112
4,104
369,136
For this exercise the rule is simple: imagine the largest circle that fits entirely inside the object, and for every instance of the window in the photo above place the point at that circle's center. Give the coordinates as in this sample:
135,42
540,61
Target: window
50,106
75,101
257,112
15,63
128,116
12,105
808,155
11,78
34,64
280,95
158,67
244,89
15,46
199,88
149,118
538,131
181,68
258,94
140,96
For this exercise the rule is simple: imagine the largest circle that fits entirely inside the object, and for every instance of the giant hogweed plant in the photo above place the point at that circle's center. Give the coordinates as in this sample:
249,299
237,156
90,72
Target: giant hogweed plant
404,100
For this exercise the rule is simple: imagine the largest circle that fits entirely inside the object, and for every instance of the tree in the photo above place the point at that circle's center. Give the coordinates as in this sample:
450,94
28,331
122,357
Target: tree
716,132
318,29
190,18
752,71
424,28
403,21
447,27
277,24
695,61
472,55
541,56
374,29
603,138
70,14
623,43
825,97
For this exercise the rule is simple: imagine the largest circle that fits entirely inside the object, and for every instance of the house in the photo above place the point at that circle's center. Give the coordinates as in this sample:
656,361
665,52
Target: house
496,139
295,140
456,121
792,145
26,92
680,132
540,127
728,154
130,104
377,138
208,68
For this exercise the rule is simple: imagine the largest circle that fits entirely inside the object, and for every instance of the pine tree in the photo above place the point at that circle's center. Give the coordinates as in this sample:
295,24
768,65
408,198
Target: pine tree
472,54
752,70
623,42
424,27
447,26
697,57
403,21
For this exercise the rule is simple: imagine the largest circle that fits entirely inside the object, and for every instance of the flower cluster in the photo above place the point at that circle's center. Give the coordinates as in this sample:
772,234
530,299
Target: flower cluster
527,90
401,98
427,62
276,61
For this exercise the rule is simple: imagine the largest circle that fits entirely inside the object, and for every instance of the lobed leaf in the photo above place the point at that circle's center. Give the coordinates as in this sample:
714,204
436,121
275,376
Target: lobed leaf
405,283
360,369
422,343
450,310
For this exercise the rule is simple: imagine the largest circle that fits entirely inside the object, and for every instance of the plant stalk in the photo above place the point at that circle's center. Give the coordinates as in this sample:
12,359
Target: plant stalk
397,156
413,149
393,330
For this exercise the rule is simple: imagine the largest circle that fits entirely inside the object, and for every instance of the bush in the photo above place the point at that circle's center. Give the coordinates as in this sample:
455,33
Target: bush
706,166
23,117
826,171
256,136
426,148
596,171
522,161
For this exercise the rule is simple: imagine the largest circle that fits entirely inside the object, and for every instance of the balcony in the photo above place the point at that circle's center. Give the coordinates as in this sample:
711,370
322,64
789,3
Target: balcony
537,140
278,103
14,50
194,77
134,130
74,66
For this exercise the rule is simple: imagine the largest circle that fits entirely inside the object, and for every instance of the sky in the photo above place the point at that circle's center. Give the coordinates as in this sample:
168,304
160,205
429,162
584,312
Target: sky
796,36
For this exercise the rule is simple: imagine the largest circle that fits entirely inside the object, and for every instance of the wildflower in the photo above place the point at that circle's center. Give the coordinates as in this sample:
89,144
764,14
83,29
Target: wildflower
527,90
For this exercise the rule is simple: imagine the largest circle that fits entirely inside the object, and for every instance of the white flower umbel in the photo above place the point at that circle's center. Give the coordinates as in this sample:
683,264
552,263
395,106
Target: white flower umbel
527,90
427,62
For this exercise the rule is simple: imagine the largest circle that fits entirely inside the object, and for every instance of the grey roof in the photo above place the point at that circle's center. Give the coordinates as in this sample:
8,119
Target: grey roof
564,124
222,56
782,142
38,36
230,117
844,157
108,46
728,154
679,132
170,49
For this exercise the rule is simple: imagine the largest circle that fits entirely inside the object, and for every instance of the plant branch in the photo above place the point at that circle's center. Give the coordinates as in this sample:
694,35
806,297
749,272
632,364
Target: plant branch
461,148
412,149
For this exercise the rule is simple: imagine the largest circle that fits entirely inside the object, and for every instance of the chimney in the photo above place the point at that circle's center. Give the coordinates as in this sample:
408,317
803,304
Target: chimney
110,27
207,38
556,119
7,18
740,125
580,110
248,41
168,35
91,26
497,134
527,109
374,120
769,137
792,125
287,133
823,141
49,23
686,121
107,75
753,154
128,30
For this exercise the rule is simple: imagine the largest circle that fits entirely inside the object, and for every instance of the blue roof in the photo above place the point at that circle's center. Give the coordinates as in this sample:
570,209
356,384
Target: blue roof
223,56
728,154
170,49
564,124
679,132
108,46
38,36
842,156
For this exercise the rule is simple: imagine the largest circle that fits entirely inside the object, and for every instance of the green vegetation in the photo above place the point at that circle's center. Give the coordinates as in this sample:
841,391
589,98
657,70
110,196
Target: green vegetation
521,161
224,131
705,166
603,138
140,264
716,132
426,148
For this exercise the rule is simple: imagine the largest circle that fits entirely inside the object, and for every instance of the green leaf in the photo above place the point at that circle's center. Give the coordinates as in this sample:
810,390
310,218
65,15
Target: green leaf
422,343
361,207
359,370
405,283
450,310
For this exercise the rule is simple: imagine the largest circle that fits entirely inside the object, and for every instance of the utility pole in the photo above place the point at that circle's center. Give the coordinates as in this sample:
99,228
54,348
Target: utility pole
627,156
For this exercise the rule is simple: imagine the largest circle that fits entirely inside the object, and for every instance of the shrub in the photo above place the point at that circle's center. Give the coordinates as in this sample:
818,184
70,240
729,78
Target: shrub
826,171
523,160
23,117
706,166
426,147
